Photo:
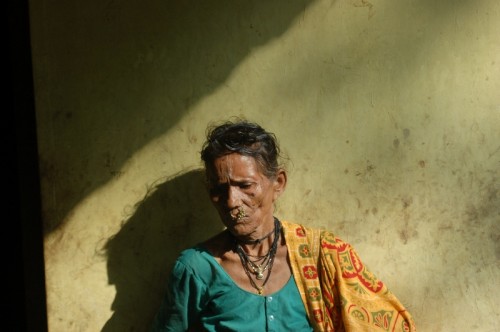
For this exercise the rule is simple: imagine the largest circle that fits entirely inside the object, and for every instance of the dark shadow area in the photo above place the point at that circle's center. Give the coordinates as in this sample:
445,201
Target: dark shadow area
23,266
176,215
112,76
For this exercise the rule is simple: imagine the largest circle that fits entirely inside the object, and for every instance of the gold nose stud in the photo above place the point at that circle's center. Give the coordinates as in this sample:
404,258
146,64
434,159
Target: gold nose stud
241,213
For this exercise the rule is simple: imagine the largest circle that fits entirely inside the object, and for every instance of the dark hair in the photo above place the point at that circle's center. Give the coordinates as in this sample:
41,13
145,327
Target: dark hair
246,138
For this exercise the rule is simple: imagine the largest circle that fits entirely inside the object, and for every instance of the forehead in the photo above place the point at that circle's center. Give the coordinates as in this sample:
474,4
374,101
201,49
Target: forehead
234,166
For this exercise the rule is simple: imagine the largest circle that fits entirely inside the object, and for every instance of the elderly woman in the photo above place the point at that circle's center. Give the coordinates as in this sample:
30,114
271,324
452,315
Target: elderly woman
266,274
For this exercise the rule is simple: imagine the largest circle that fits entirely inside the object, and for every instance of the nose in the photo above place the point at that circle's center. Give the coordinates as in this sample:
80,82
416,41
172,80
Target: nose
233,197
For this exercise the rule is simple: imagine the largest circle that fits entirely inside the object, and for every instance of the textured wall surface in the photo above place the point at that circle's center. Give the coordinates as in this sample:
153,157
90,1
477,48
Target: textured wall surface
389,112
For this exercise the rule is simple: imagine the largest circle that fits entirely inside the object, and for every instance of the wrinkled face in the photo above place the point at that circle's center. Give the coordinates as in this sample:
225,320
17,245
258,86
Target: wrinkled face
236,183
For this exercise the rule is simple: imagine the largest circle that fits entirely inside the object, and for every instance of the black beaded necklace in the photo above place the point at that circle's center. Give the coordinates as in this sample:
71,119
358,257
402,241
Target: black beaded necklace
263,263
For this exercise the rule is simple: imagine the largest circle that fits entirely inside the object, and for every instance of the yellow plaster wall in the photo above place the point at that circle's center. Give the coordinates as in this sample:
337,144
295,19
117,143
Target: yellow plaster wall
389,112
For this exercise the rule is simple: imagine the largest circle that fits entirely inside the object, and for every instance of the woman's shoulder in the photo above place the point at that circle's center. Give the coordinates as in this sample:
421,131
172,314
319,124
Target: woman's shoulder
311,232
194,262
301,229
201,256
194,252
193,257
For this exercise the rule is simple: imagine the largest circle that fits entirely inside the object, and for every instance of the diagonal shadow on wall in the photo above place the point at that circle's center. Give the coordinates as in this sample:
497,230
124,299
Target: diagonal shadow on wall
112,76
176,214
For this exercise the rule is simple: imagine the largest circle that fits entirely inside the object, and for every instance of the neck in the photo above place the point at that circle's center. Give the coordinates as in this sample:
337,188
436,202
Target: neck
254,241
260,244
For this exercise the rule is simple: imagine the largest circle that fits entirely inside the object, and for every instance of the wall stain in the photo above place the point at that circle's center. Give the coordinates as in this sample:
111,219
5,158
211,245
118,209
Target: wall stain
396,143
406,201
495,238
367,171
367,4
408,231
445,227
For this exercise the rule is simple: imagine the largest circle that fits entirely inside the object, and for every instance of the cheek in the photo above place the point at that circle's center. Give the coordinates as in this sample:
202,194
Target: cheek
261,197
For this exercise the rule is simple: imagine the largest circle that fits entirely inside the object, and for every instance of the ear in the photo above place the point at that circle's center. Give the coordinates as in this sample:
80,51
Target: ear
279,183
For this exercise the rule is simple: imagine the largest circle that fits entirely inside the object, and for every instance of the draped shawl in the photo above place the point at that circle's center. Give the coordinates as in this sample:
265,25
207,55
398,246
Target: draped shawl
338,291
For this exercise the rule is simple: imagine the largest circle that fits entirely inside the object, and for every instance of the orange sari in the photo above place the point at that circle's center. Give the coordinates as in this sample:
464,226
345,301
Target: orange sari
338,291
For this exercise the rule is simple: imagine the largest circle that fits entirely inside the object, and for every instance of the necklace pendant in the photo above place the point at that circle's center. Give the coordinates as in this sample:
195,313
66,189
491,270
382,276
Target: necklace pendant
260,275
260,290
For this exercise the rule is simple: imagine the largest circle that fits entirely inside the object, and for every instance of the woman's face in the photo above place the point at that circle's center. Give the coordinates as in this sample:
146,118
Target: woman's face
236,182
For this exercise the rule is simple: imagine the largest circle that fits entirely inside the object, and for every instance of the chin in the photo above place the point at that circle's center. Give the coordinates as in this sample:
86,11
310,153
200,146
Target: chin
238,227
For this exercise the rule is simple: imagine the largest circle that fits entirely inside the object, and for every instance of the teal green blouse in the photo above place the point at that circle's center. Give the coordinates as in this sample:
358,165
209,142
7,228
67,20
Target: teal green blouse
201,293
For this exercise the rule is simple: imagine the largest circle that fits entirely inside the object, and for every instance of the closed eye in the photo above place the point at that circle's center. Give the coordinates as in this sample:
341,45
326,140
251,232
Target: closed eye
245,185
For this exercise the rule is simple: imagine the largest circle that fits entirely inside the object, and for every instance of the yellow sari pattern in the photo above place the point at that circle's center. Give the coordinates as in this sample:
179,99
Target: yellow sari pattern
338,291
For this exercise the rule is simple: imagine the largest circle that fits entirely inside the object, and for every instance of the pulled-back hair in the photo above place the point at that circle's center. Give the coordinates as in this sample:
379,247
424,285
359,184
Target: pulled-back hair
245,138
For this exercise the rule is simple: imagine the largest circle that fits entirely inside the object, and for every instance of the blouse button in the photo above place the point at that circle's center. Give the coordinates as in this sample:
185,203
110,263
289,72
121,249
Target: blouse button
270,299
271,317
